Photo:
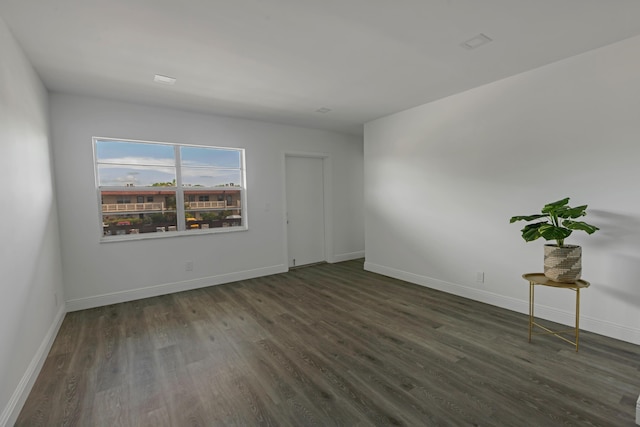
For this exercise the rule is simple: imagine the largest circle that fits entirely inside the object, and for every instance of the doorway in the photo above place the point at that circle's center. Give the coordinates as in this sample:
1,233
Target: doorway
305,210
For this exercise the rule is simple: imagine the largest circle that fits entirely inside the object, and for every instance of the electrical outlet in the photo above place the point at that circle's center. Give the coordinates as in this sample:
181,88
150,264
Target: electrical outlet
480,277
188,266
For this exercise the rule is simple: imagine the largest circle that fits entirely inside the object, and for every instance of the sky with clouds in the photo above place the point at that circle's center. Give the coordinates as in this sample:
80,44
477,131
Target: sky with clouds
143,164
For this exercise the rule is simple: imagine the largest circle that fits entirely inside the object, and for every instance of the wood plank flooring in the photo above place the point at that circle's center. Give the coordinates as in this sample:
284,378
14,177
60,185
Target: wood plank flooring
325,345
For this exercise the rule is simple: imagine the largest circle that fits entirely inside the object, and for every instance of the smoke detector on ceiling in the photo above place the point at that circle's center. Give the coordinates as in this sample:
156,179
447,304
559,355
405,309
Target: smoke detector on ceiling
158,78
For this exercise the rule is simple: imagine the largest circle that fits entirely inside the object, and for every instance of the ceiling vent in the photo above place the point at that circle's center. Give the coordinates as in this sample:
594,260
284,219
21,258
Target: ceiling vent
476,42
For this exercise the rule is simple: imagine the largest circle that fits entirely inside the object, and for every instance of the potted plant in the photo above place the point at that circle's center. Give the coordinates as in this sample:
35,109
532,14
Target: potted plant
562,263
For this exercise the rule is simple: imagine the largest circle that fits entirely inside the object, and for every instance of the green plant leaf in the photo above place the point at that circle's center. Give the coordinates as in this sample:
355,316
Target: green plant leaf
580,225
551,232
531,232
558,222
526,218
553,207
560,211
574,212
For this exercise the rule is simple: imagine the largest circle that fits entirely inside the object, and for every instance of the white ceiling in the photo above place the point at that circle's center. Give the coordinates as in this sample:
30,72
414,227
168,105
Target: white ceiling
281,60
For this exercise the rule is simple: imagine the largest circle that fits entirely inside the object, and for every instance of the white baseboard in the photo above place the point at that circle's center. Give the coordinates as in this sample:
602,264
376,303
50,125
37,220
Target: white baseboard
451,288
169,288
348,256
10,413
598,326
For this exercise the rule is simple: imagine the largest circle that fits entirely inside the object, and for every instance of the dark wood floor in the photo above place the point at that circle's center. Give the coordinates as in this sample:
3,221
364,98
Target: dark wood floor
325,345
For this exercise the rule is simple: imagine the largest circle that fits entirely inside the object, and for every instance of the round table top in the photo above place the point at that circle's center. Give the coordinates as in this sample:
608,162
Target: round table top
541,279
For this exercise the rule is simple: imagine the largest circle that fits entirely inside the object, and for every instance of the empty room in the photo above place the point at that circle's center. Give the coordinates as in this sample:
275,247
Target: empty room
276,212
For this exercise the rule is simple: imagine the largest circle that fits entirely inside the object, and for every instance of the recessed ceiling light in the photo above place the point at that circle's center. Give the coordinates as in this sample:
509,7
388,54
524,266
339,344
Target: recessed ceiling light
476,42
323,110
158,78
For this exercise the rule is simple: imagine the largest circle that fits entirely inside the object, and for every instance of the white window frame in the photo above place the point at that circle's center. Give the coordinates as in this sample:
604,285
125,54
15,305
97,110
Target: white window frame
179,194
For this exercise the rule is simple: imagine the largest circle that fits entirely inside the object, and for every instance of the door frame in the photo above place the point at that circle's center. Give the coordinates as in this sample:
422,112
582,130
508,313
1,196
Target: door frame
327,202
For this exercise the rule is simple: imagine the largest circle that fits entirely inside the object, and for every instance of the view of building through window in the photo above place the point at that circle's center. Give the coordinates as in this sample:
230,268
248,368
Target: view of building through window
148,187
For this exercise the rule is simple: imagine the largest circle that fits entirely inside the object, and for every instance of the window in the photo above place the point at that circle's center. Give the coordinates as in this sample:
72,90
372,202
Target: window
177,187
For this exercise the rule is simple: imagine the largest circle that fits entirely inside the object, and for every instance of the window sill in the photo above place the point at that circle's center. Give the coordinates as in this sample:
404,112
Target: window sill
171,234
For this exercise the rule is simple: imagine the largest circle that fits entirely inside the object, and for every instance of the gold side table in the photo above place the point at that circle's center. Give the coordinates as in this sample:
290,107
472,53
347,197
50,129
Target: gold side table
540,279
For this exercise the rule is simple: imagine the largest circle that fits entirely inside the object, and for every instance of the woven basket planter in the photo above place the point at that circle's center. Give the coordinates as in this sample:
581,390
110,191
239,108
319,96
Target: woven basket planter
563,264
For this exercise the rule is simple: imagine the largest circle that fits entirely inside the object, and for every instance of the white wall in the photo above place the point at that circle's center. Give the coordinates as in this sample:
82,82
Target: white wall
443,179
29,250
101,273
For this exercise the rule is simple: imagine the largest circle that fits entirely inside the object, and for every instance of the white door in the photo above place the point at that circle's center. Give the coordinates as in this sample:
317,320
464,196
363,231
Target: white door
305,210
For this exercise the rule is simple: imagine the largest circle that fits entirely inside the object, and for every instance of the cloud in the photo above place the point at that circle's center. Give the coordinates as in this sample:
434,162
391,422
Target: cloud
137,161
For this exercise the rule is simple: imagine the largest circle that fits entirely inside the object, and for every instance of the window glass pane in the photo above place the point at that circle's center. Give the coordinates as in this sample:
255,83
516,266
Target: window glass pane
136,176
201,177
212,209
121,224
137,183
134,153
203,156
120,218
133,202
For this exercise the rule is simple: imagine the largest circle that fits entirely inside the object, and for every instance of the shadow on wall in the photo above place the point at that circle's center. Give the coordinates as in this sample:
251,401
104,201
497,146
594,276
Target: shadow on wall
410,247
623,273
619,238
616,230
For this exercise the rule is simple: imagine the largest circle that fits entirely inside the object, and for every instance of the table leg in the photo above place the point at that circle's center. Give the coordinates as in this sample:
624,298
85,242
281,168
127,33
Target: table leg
577,317
531,285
